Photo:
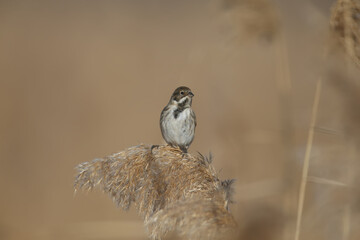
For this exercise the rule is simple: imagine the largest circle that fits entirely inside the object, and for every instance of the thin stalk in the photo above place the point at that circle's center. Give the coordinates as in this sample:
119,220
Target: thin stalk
307,159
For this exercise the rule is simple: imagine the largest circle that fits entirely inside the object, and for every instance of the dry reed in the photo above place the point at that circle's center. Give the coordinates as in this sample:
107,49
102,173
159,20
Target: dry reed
345,24
172,191
307,160
193,219
256,18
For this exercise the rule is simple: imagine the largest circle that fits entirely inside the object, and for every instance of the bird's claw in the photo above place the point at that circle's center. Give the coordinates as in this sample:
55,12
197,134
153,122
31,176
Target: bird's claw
152,147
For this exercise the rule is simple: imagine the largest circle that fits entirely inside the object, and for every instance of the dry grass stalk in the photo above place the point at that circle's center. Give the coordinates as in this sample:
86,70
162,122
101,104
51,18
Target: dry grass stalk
284,87
307,160
159,183
345,24
326,181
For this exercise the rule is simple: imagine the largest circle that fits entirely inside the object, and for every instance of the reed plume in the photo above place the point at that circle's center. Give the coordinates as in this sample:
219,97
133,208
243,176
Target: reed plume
256,18
172,191
345,26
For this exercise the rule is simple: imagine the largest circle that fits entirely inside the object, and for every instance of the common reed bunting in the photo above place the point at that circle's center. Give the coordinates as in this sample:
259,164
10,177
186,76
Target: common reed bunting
178,120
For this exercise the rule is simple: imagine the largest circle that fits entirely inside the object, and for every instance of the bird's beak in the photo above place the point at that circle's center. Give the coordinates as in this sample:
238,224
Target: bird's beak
191,94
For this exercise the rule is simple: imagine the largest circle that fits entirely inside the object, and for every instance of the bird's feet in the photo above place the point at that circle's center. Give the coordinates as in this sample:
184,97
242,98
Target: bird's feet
181,148
184,151
152,147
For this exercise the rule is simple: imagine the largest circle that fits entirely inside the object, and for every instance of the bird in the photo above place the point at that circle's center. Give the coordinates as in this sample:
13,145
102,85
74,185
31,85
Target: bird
178,120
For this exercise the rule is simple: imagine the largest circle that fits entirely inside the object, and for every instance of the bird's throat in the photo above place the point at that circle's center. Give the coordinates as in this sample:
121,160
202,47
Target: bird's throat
178,111
181,106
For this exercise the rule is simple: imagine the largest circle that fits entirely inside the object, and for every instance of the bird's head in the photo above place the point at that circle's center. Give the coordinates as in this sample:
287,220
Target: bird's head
182,96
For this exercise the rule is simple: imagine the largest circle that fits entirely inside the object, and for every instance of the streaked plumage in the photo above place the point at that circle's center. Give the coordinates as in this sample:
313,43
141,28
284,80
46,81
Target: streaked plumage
178,120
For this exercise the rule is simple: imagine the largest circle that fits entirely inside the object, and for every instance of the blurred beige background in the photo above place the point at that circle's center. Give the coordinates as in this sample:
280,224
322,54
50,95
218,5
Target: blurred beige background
83,79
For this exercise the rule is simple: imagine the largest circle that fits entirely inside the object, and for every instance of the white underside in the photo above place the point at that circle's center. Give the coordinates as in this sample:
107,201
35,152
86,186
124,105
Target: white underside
179,131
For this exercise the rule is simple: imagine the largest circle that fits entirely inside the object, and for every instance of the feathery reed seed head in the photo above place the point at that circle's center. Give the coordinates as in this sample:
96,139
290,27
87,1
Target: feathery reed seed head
345,25
166,186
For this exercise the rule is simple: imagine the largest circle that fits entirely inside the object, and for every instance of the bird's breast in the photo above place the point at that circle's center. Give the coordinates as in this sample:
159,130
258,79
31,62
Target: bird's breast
179,130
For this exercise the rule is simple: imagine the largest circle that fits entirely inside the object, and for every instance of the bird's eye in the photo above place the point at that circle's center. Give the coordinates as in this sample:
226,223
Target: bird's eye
182,93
